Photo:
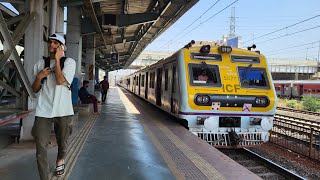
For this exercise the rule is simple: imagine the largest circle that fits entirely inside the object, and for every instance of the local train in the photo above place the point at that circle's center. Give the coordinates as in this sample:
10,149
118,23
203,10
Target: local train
297,89
224,95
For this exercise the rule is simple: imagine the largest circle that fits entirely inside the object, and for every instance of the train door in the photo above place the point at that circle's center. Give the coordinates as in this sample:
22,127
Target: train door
139,84
158,88
134,84
146,87
300,90
172,100
282,89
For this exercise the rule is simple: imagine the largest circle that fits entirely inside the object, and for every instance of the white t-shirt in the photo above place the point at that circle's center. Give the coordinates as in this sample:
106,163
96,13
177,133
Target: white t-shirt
55,100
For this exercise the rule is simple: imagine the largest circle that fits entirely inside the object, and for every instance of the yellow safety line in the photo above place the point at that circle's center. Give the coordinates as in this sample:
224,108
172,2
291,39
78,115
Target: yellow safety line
75,147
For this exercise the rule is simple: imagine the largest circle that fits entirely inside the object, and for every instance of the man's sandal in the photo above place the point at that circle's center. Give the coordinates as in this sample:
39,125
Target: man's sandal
59,170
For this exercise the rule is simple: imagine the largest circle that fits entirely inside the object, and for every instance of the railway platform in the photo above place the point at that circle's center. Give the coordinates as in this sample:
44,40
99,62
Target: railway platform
129,139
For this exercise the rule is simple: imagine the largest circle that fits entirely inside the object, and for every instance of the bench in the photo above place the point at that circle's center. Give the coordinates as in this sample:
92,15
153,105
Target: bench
83,109
10,116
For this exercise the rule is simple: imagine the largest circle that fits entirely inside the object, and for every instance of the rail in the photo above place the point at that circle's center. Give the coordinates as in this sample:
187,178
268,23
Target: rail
298,111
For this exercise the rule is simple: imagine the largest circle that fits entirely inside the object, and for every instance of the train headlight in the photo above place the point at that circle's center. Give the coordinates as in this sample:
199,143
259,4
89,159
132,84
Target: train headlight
205,49
267,123
225,49
202,99
212,123
261,101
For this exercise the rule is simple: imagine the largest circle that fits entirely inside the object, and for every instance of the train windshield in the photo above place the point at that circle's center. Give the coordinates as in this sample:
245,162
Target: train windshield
253,77
204,75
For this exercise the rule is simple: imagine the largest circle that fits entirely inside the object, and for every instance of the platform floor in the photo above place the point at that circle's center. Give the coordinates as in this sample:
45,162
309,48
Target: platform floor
130,139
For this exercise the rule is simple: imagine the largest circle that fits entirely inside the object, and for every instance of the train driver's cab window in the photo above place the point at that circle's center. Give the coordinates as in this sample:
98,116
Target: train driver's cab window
253,77
204,75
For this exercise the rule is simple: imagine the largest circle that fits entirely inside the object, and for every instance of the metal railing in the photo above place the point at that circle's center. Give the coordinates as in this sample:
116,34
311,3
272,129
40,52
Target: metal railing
299,137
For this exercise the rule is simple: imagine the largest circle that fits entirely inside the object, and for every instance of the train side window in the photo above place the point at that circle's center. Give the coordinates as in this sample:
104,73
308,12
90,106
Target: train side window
204,75
305,90
253,77
277,88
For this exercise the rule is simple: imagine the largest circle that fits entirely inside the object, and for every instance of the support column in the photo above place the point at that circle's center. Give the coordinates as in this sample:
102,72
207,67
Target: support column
90,63
74,47
60,20
74,39
33,52
96,74
53,16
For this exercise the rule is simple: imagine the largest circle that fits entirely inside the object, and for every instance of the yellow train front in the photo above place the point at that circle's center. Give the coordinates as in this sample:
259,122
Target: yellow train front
223,95
226,95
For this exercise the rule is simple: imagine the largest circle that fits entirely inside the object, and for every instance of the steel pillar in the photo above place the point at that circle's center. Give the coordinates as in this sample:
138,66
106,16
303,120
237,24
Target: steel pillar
53,16
74,39
90,63
33,52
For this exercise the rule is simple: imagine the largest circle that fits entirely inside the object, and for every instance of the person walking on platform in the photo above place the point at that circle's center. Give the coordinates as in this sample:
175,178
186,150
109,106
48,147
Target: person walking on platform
104,86
52,79
86,97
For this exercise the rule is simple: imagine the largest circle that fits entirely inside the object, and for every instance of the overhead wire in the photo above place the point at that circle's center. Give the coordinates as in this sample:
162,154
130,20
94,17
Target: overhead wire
192,22
208,19
289,34
300,45
296,51
283,28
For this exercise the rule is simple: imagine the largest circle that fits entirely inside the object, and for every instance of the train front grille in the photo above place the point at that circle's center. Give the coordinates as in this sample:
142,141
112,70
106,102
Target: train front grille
227,139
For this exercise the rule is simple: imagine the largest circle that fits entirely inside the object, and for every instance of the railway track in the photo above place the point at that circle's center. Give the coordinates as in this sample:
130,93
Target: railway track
298,111
262,167
299,122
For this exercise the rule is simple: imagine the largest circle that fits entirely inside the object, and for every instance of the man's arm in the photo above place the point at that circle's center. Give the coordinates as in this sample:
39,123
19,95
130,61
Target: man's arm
86,93
60,79
100,85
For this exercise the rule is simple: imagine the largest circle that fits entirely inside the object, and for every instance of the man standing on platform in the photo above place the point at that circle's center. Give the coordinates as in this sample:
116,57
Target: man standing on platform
52,79
104,86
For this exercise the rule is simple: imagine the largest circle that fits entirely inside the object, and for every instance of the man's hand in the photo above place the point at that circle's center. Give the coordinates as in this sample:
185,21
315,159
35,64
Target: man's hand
59,53
44,73
36,86
60,79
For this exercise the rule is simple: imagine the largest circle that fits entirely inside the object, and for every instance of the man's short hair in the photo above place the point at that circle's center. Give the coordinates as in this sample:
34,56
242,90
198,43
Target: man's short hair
104,77
85,82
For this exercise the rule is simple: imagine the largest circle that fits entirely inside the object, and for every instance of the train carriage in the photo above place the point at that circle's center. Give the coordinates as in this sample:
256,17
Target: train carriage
224,95
297,88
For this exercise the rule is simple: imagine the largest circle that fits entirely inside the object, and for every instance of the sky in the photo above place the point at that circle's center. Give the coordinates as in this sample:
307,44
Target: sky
254,21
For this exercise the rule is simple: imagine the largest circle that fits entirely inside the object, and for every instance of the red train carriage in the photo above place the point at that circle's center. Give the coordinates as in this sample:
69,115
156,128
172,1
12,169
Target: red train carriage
297,89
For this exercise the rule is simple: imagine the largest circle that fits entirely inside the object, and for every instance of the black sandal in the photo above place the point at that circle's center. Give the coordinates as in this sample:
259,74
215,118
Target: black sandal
59,170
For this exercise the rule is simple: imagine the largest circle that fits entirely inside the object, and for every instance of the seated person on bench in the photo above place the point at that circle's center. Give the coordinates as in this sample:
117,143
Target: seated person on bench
86,97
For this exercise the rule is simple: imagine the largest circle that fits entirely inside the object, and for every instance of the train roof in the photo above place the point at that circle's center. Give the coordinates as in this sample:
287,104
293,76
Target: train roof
296,81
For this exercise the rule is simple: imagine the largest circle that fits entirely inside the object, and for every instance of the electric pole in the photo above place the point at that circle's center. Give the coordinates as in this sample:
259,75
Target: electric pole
232,23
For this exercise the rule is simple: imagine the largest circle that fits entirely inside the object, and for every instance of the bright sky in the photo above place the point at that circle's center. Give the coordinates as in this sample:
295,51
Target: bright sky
253,19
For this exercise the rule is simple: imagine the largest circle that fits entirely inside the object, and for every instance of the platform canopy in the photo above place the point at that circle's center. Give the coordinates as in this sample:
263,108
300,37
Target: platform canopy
124,28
